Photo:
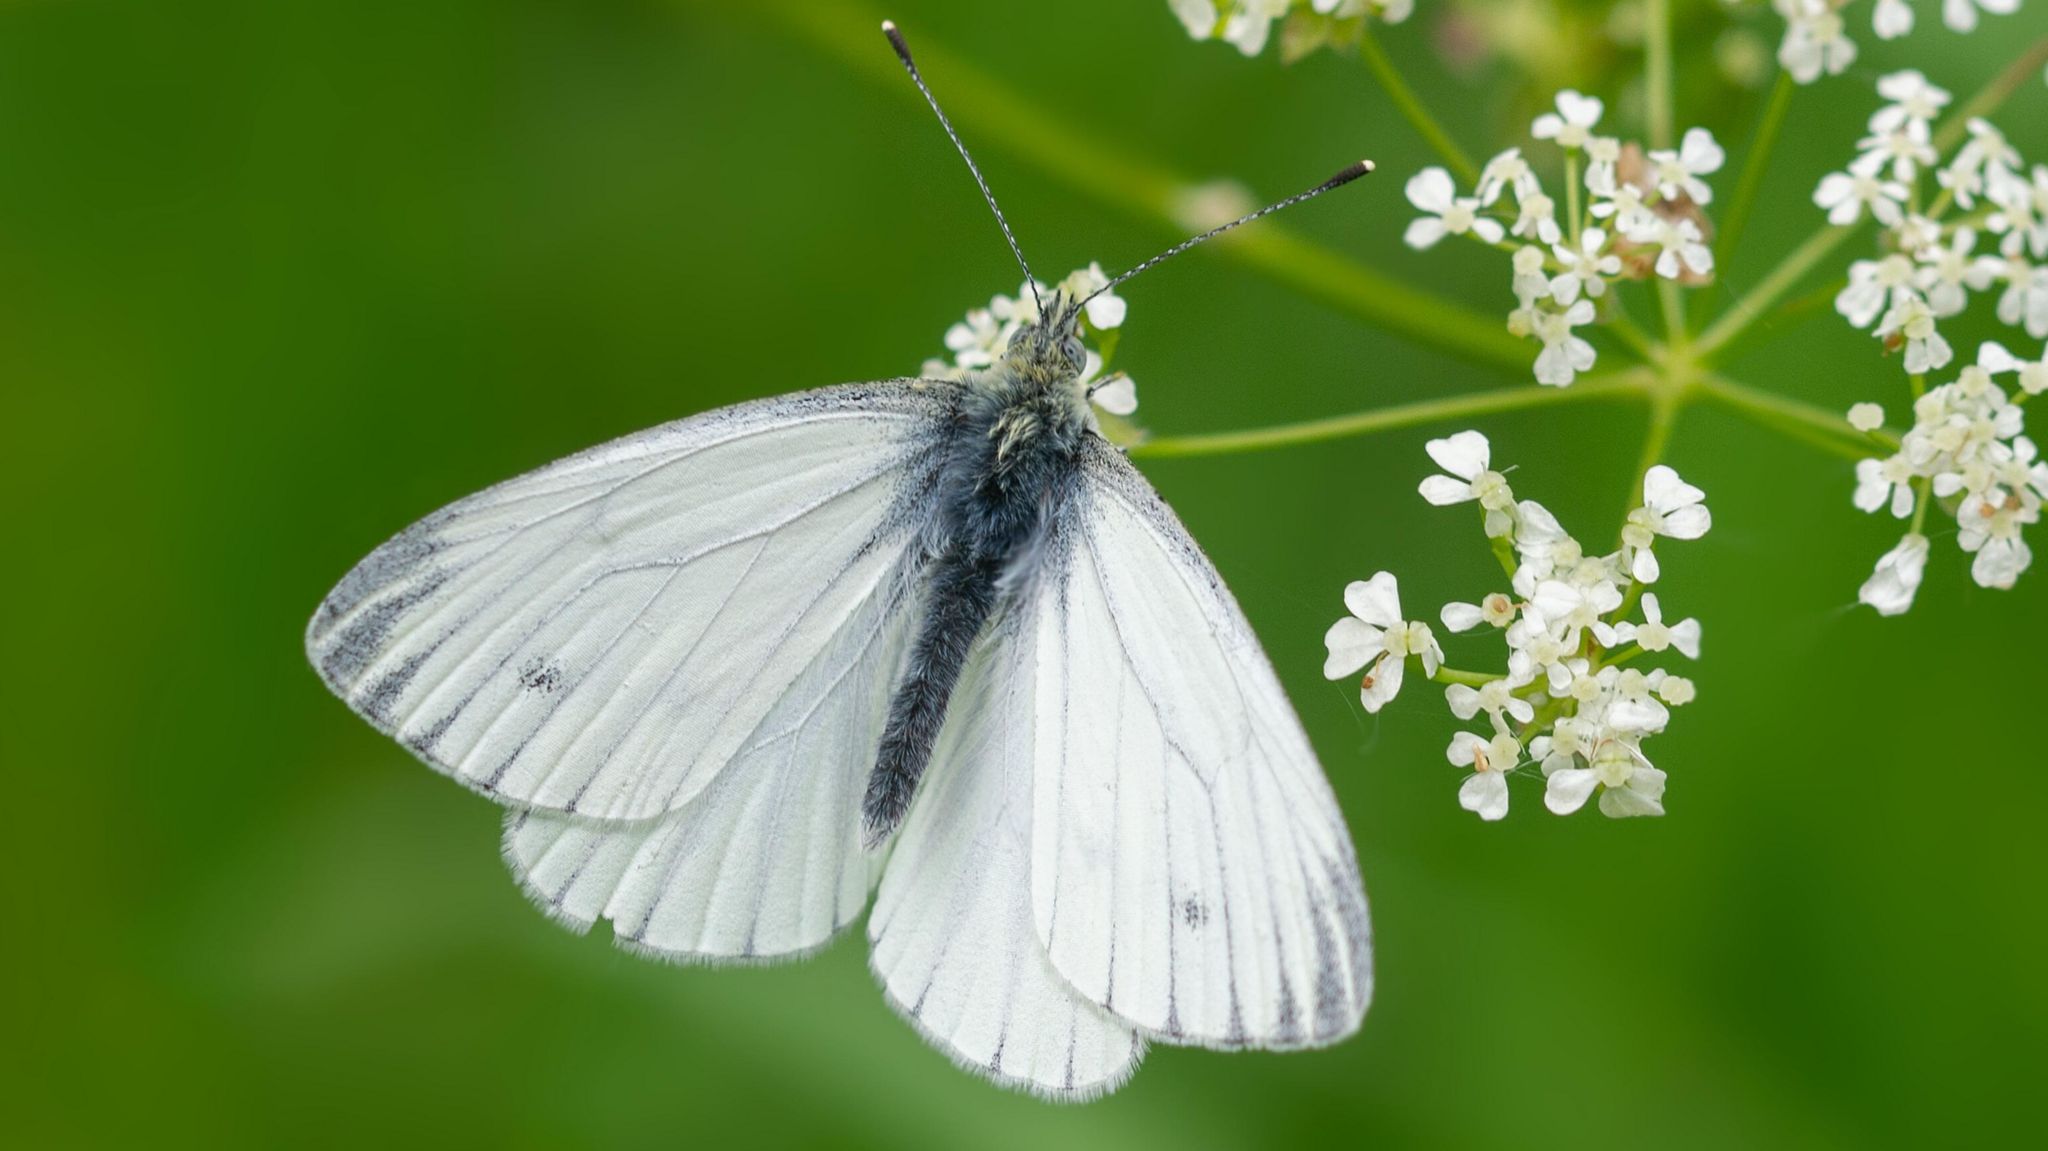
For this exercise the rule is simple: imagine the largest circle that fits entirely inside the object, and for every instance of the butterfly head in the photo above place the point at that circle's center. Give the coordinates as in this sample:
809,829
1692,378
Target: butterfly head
1048,350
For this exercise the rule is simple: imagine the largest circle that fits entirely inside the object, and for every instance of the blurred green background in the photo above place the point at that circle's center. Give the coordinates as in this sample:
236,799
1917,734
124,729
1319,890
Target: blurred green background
276,279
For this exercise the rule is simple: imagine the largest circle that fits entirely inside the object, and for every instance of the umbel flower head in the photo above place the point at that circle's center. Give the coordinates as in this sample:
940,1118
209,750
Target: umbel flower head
1968,455
1817,42
1565,704
1643,217
1982,233
1298,26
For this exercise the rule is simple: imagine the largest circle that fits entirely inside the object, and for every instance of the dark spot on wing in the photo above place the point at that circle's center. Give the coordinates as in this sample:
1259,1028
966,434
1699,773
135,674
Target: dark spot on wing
541,676
1193,912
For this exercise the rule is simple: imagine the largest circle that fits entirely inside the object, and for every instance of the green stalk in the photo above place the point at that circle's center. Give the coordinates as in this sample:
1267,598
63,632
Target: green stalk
1663,417
1675,333
1657,80
1573,220
1625,329
1781,279
1988,98
1796,418
1412,109
1390,418
1468,678
1753,166
985,109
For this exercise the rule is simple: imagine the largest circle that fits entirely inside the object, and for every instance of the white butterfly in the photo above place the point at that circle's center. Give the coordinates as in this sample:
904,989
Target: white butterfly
706,667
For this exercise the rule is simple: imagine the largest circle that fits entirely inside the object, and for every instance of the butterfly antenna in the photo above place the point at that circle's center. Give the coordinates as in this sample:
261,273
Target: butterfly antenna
1337,181
909,65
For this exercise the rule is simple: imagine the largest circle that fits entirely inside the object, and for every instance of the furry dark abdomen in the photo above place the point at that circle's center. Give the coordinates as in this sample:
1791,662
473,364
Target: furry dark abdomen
1012,458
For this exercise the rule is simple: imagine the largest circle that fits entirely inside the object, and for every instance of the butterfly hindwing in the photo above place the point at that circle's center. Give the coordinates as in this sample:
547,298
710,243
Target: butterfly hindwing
766,862
952,935
1191,871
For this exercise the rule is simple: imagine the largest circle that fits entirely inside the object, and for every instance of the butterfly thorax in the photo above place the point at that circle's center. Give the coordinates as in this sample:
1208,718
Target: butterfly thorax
1012,457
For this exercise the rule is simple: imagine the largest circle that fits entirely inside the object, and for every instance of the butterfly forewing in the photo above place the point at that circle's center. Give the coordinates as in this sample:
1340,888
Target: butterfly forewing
605,635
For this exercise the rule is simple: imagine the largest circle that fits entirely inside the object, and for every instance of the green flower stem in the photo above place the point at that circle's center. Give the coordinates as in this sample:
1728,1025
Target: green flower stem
1112,174
1657,68
1622,655
1783,320
1411,108
1468,678
2027,67
1573,219
1664,409
1922,497
1796,418
1782,279
1625,329
1397,416
1663,417
1675,333
1753,166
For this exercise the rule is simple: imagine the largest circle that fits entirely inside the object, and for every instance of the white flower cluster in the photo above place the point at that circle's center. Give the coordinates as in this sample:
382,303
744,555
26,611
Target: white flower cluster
1933,264
1566,703
980,340
1305,24
1816,37
1645,214
1969,453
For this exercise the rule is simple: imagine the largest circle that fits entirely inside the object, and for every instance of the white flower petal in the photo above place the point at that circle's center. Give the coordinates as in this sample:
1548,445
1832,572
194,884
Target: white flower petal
1464,455
1432,190
1117,395
1567,789
1485,793
1459,617
1463,700
1663,490
1106,311
1687,523
1444,491
1382,684
1644,567
1352,643
1377,601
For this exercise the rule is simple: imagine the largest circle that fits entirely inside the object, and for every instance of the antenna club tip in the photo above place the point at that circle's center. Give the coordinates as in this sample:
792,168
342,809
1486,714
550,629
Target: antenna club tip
896,41
1349,174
